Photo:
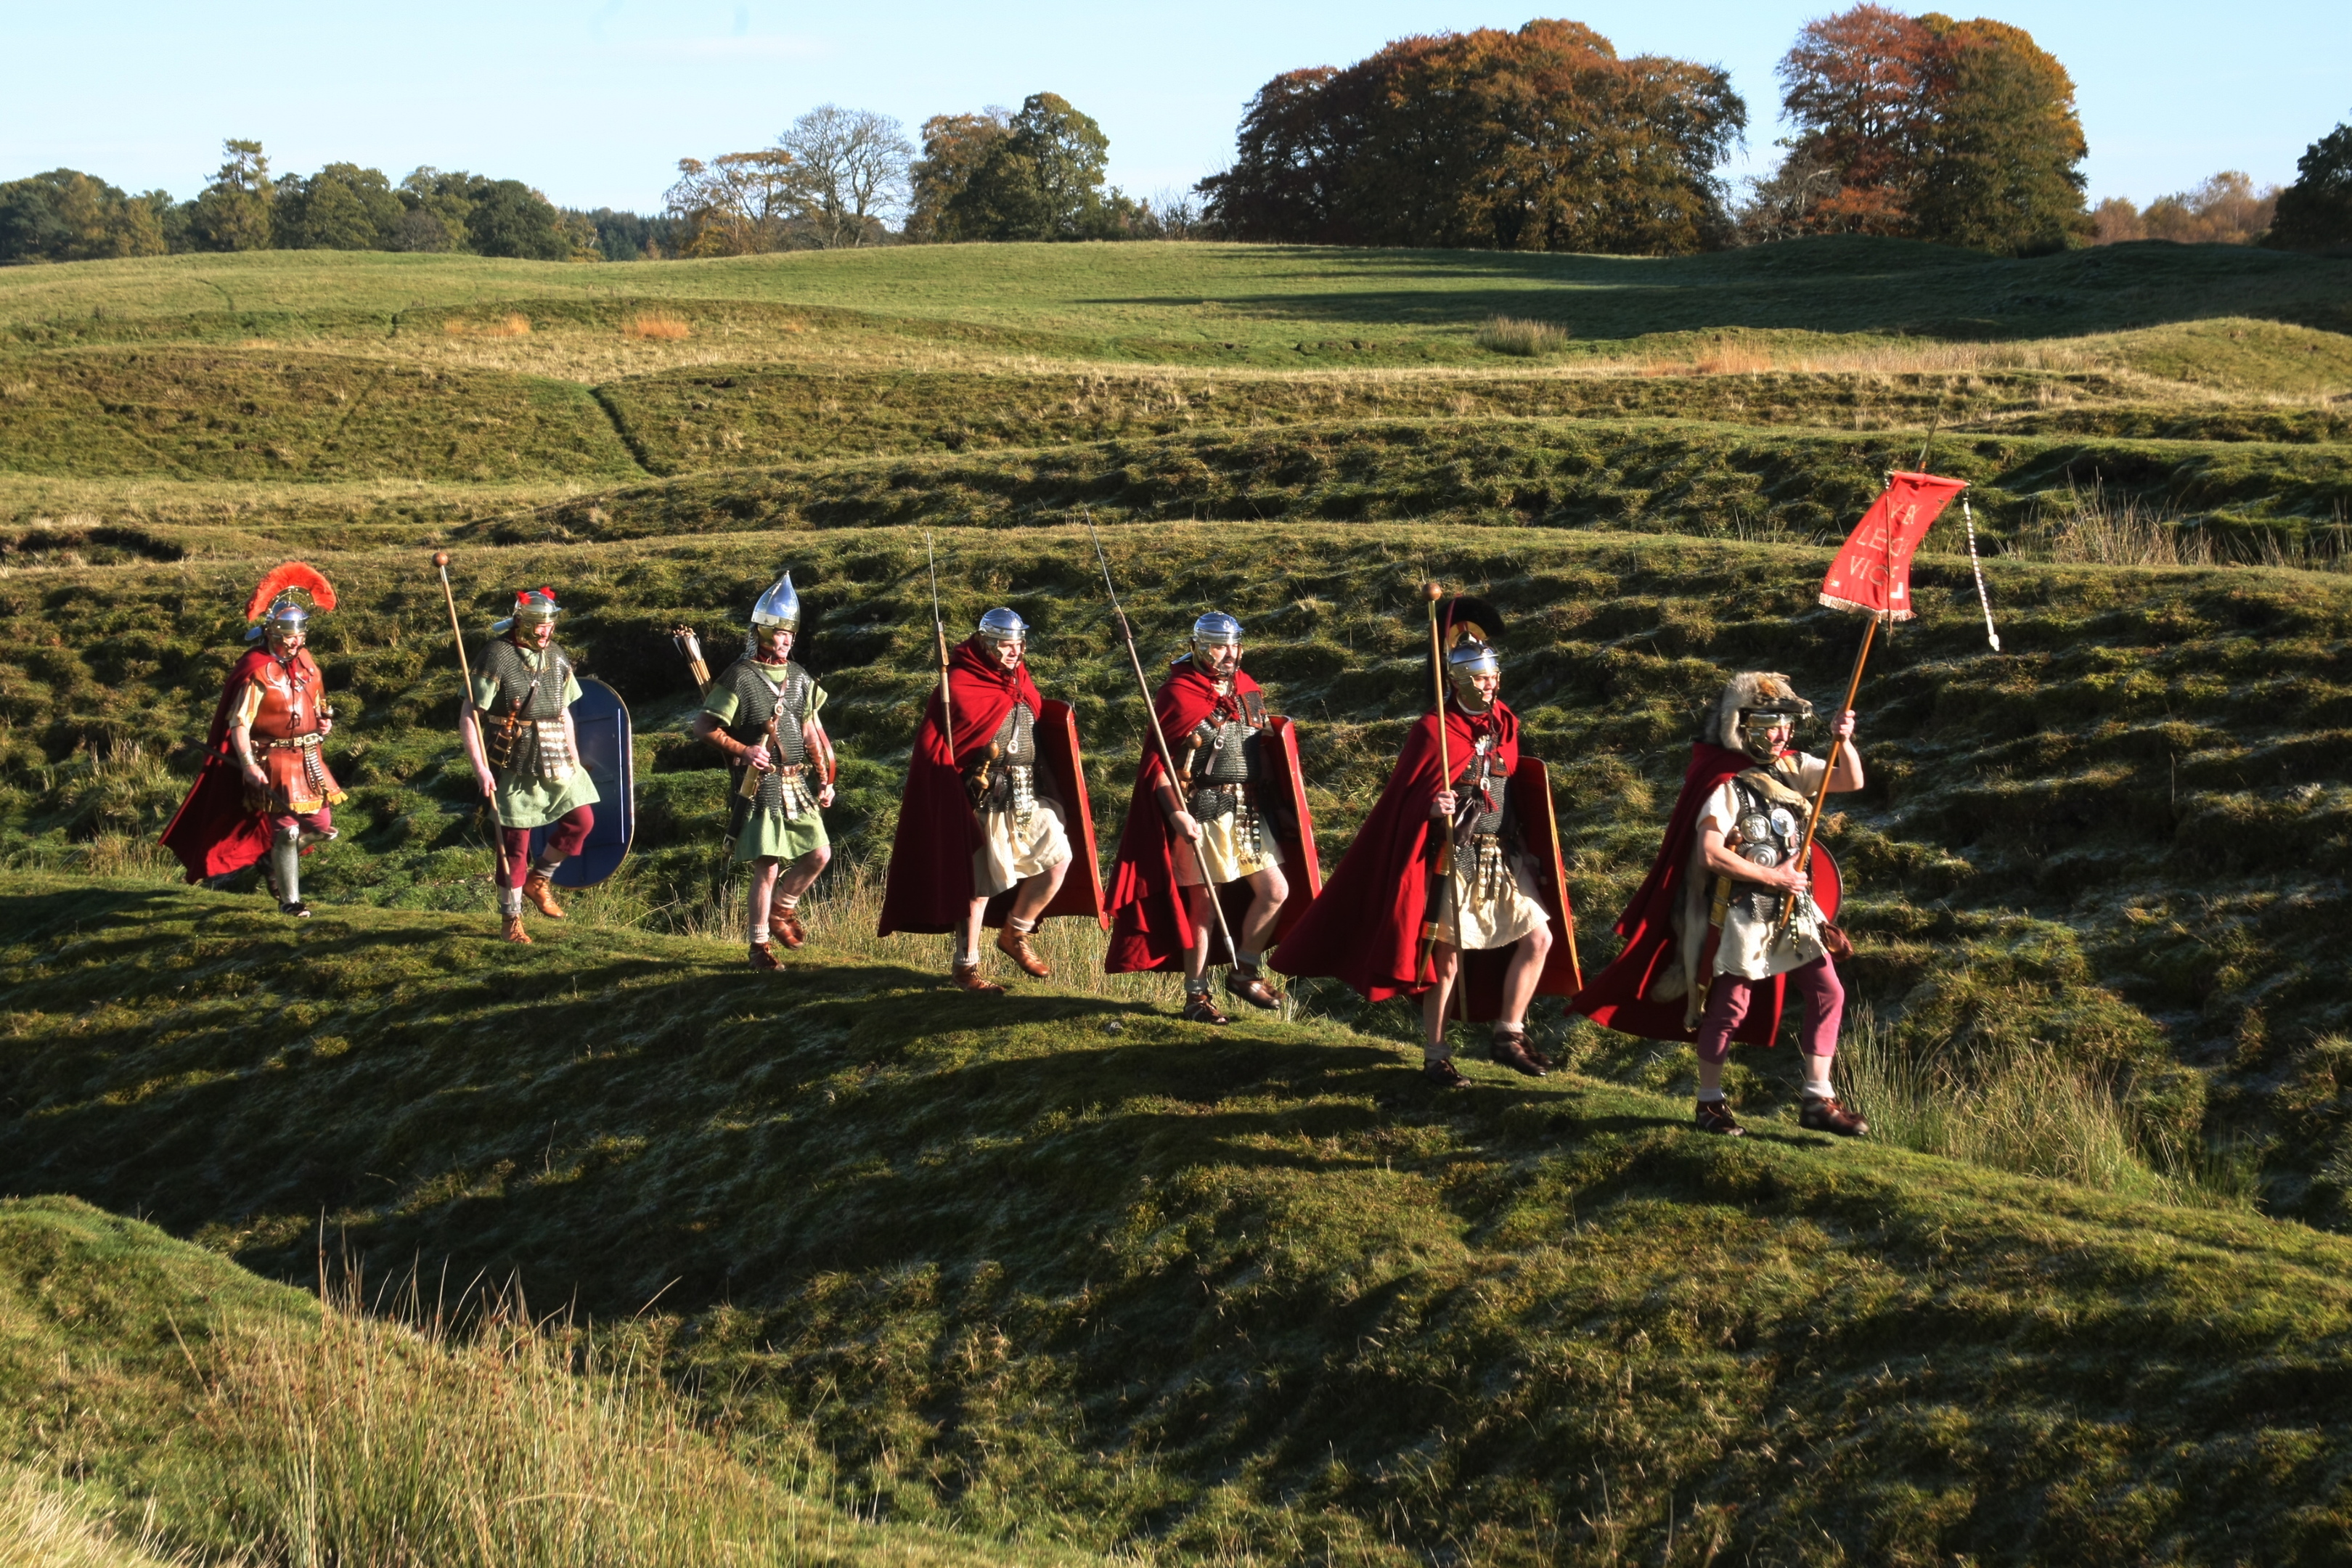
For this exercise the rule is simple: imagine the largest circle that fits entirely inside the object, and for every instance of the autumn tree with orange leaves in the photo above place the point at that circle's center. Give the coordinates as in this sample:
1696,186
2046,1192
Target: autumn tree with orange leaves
1927,128
1538,139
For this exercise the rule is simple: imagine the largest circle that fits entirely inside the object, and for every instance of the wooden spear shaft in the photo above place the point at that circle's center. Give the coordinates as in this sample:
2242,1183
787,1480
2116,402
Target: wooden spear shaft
464,697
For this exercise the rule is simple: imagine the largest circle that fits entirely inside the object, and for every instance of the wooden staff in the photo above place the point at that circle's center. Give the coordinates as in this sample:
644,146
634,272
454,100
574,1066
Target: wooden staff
939,630
1441,861
1159,738
465,697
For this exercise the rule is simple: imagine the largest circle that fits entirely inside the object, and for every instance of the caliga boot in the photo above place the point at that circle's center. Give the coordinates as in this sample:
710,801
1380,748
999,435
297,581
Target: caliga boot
511,910
1014,943
1247,981
788,928
1510,1048
541,893
968,977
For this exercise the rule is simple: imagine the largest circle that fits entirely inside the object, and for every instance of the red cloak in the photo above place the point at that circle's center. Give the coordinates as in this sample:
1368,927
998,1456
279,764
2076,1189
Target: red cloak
1151,929
1366,927
214,833
1618,996
928,887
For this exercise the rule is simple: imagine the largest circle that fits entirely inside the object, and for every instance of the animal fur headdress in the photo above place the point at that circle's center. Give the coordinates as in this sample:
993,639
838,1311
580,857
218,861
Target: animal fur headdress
1750,693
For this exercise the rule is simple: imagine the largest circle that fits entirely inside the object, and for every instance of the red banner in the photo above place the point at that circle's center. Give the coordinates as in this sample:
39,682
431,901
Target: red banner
1872,573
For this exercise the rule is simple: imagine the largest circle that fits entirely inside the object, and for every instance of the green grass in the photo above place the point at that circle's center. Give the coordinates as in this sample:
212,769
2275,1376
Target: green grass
1249,1295
2121,839
1263,302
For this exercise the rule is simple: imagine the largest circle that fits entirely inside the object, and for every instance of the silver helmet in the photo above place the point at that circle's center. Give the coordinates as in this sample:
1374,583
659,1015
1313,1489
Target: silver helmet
287,615
1001,625
778,607
532,606
273,609
1469,658
1215,629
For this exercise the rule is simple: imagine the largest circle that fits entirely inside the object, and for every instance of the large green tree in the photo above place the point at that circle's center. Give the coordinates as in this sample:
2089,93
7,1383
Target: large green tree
233,212
341,207
509,219
66,216
2315,211
1042,179
1541,139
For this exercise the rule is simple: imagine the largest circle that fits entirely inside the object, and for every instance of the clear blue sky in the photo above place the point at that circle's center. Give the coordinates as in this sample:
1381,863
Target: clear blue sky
594,101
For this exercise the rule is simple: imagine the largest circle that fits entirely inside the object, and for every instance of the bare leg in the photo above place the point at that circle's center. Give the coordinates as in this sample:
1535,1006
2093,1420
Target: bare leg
1204,925
968,938
1526,967
804,872
1445,964
1268,890
1029,901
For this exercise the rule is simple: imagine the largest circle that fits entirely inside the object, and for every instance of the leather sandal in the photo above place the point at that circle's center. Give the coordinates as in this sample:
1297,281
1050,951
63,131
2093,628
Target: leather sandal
1199,1009
1510,1048
968,977
1247,981
1715,1116
539,893
787,928
1442,1072
514,931
1014,945
1822,1114
765,956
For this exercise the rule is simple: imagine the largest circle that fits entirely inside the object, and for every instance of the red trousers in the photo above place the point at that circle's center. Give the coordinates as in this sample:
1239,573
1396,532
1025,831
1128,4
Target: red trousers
1816,983
564,838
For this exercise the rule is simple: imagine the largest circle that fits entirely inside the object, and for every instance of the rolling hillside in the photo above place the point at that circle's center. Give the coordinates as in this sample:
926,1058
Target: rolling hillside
1076,1277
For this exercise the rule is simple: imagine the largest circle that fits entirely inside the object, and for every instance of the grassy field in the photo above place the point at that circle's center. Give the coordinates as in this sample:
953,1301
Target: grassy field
1068,1271
1079,1280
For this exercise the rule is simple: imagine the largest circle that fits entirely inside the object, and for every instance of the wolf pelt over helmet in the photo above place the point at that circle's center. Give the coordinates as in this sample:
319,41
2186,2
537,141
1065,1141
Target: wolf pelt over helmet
1753,694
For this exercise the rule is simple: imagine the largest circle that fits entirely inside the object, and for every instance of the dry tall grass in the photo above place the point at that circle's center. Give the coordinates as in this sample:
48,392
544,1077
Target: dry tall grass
519,1443
2093,527
663,326
1525,339
510,325
41,1528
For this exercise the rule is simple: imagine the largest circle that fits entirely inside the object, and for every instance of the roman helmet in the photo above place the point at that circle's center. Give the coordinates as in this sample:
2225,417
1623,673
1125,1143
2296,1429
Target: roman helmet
778,607
532,606
1753,694
1215,629
1466,630
273,610
1001,625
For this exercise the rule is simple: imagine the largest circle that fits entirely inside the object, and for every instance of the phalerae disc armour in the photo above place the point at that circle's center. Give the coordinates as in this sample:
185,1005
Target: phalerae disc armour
1753,694
1002,624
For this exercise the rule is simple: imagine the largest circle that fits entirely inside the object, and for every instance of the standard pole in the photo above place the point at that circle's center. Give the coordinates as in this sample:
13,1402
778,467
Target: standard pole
1822,796
1441,862
1159,738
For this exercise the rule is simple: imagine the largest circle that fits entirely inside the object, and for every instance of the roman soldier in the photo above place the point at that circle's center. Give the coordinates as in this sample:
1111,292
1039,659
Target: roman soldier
264,792
1225,828
517,734
762,712
994,811
1727,924
1454,885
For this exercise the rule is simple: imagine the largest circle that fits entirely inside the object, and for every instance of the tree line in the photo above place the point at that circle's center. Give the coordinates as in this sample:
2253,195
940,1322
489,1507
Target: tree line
1543,139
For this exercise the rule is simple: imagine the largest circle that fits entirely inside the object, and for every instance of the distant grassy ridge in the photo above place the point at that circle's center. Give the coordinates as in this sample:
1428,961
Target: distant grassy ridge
1250,1294
1264,301
2122,839
1673,476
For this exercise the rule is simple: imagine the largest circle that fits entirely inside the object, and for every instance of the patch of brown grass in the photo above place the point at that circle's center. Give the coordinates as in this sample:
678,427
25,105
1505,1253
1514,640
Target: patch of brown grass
510,325
661,325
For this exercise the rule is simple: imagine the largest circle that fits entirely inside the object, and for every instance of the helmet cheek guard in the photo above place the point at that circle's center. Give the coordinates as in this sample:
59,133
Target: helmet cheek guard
1468,661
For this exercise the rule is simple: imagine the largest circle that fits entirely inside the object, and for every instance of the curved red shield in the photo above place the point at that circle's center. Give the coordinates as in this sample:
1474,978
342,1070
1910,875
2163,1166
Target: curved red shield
1829,882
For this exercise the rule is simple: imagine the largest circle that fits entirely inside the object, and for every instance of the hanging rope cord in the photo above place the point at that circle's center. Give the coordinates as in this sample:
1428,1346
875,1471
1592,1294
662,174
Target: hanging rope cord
1977,566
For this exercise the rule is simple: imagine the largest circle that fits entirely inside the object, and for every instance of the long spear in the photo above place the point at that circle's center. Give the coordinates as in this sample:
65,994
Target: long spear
1441,863
1158,736
465,697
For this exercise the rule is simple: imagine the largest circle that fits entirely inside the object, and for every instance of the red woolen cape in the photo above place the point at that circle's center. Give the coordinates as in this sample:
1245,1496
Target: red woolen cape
929,889
213,833
1618,996
1366,927
1150,928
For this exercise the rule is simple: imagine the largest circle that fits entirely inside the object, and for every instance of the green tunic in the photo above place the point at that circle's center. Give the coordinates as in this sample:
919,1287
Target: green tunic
762,830
523,798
